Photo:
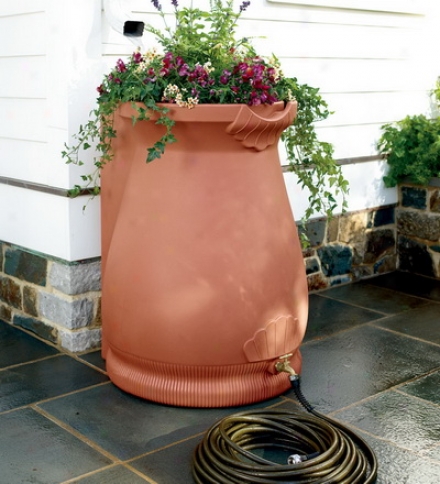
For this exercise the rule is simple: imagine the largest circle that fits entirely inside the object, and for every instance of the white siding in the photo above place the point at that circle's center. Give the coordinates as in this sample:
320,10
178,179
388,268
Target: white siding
374,61
48,58
49,224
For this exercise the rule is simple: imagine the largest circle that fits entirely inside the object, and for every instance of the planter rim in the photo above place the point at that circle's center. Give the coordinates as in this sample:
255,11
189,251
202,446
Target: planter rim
213,112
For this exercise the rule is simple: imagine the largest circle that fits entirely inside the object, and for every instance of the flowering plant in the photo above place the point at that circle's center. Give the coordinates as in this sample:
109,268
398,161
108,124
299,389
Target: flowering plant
203,62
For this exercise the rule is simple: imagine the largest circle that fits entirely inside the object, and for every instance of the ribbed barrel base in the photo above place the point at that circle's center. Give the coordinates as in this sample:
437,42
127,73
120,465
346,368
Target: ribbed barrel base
195,386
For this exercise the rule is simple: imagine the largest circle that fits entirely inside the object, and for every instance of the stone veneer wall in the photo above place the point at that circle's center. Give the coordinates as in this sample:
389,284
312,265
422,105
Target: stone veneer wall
418,226
60,301
350,247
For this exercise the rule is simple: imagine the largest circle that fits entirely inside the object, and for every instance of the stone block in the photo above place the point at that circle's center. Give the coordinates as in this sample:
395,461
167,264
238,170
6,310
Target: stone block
413,197
338,280
434,201
381,217
333,230
82,340
98,317
379,242
30,297
1,257
72,314
362,271
317,282
386,264
49,333
10,292
352,228
312,265
75,279
25,266
414,257
335,259
5,313
358,254
418,224
315,231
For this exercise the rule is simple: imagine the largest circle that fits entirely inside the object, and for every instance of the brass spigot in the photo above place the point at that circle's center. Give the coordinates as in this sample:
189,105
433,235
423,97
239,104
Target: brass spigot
283,365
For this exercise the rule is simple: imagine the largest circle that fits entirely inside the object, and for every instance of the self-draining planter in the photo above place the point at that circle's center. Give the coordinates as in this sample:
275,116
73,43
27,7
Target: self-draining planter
203,284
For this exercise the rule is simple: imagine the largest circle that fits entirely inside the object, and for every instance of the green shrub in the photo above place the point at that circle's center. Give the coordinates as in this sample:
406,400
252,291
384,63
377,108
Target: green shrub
412,149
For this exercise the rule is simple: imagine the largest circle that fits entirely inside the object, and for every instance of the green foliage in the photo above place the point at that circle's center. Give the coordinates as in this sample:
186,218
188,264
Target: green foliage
412,149
312,159
204,63
436,92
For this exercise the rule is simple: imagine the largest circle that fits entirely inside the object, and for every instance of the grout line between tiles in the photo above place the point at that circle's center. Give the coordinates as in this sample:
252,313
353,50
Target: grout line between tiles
394,388
73,392
341,331
417,377
368,282
420,399
76,434
398,333
87,363
384,289
89,474
353,305
391,443
112,466
144,476
33,335
168,446
38,402
30,362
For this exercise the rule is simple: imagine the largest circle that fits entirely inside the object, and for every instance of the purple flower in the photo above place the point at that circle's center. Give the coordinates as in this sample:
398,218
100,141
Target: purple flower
184,70
224,78
120,66
168,59
174,3
137,57
244,6
157,5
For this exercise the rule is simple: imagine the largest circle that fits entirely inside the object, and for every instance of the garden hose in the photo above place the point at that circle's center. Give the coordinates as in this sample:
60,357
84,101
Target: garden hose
317,449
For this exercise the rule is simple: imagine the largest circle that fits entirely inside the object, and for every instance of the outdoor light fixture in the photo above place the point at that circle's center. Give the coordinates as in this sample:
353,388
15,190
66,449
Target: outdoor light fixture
120,18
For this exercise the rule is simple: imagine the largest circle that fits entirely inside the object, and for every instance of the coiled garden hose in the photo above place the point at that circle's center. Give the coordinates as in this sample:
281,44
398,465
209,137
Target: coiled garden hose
322,451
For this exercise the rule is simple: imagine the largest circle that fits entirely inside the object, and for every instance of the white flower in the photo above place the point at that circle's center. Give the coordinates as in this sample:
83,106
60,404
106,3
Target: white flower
208,67
151,54
171,92
192,102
